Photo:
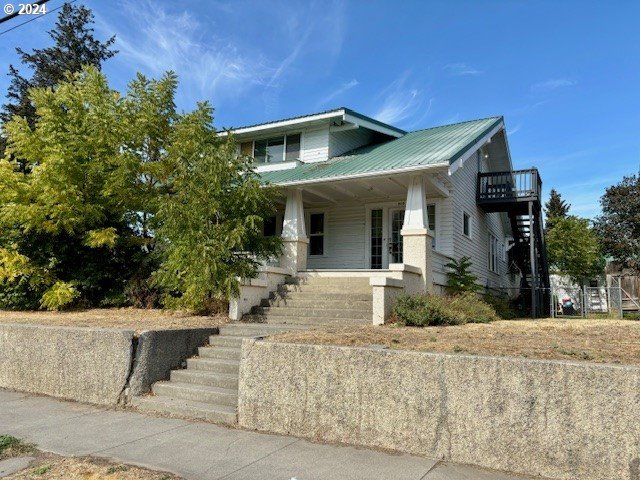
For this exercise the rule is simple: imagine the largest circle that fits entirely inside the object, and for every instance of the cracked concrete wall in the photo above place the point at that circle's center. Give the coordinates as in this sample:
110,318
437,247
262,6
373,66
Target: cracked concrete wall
84,364
160,351
564,420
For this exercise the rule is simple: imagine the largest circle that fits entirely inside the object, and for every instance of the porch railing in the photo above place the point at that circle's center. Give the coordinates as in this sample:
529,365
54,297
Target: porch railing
515,185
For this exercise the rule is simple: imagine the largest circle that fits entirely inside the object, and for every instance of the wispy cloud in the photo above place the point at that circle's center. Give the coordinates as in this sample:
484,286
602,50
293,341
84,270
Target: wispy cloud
552,84
337,92
158,40
461,69
400,101
514,130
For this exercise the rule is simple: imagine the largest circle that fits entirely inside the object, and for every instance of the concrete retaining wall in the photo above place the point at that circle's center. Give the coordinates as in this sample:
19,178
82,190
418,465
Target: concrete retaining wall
554,419
84,364
160,351
93,365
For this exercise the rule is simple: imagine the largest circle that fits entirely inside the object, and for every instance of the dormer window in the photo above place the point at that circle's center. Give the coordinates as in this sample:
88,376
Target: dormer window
285,148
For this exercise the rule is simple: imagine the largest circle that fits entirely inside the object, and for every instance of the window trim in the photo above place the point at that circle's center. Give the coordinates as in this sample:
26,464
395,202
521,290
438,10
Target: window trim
470,233
325,226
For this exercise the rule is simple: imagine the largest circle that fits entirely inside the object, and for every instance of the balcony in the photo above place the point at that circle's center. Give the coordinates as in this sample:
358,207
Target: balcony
508,191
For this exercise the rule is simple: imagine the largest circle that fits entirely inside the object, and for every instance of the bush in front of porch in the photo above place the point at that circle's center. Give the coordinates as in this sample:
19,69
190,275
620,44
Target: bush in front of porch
432,310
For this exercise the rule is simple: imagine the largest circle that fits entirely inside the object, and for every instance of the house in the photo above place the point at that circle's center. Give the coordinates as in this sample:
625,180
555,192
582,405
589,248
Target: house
379,211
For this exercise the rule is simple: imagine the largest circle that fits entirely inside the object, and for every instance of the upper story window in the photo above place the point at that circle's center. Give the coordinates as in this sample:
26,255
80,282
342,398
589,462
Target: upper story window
285,148
466,224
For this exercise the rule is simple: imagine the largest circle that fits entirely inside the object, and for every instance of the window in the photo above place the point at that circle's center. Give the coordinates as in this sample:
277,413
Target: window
316,234
431,220
272,226
494,253
466,224
293,148
285,148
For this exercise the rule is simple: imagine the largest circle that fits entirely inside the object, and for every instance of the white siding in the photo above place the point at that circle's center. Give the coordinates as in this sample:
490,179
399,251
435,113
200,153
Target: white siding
344,238
347,140
315,145
463,199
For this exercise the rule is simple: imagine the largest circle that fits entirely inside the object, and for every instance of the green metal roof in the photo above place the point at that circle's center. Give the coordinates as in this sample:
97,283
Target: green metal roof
427,147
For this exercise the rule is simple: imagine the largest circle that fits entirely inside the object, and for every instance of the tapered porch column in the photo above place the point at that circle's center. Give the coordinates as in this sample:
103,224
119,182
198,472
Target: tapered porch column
416,239
294,235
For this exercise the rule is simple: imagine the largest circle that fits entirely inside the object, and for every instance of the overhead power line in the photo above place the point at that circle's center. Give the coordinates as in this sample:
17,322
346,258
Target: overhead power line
16,13
36,17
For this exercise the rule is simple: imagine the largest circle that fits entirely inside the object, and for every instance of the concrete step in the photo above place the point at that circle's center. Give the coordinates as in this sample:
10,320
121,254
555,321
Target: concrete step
250,330
229,353
188,409
225,341
329,288
355,281
302,321
196,393
214,365
345,304
202,377
308,312
316,296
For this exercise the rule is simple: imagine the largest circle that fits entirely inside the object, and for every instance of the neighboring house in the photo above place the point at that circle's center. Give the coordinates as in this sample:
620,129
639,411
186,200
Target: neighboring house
363,199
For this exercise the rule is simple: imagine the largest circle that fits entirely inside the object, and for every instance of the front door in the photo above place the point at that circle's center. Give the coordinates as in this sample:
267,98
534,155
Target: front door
396,219
385,240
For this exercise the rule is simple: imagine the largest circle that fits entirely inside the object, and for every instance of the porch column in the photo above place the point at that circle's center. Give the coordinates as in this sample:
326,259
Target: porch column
294,235
416,239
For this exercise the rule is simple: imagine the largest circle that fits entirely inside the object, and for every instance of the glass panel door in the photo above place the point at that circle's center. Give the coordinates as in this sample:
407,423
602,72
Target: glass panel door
376,238
396,219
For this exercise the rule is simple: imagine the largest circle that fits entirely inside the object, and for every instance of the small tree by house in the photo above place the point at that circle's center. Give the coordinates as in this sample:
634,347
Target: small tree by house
619,225
459,278
574,250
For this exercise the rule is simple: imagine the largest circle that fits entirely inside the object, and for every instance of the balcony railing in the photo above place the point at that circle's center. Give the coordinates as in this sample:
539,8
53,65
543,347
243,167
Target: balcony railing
512,186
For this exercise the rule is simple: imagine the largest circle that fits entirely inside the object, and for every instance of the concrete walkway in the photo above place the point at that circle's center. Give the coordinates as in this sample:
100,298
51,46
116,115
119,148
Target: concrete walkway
202,451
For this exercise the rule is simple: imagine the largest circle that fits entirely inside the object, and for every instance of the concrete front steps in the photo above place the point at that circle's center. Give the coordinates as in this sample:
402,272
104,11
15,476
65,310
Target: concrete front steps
317,301
208,388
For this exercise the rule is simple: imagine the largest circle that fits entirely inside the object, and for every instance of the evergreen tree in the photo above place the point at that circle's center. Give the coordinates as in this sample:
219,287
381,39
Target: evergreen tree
459,278
555,208
74,46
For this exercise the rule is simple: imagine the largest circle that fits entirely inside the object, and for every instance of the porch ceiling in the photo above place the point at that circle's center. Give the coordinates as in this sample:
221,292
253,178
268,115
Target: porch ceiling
384,188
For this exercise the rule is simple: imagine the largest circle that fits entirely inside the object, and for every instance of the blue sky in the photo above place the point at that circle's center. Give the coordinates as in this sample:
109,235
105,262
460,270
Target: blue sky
566,75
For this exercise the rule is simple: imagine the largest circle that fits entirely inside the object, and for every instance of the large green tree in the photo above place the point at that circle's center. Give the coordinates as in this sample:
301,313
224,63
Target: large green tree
74,46
619,225
574,250
118,187
211,216
555,208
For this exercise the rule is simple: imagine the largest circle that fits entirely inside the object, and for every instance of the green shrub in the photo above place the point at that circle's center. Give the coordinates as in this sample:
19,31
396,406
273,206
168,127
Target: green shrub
459,278
631,315
429,310
502,305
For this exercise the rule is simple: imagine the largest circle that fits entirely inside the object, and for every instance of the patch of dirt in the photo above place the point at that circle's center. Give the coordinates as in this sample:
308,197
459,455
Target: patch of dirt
123,318
601,341
53,467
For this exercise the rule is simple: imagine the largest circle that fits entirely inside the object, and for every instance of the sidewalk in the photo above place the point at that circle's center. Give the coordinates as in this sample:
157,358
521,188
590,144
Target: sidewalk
201,451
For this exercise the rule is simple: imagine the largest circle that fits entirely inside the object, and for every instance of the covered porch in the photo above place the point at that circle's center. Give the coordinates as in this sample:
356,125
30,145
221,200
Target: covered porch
380,228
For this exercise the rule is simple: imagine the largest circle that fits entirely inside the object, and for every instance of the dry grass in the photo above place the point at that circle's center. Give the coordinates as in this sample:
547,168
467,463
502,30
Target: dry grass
602,341
125,318
53,467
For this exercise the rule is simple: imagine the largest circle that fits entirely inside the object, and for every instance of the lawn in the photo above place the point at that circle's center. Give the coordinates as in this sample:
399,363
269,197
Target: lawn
47,466
602,341
125,318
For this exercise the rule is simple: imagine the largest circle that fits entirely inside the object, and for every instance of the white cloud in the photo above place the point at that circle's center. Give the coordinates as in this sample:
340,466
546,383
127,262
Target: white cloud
461,69
514,130
552,84
400,101
337,92
158,41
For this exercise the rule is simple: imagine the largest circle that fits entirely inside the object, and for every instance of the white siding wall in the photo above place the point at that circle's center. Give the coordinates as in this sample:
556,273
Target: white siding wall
347,140
315,145
463,198
344,240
